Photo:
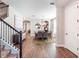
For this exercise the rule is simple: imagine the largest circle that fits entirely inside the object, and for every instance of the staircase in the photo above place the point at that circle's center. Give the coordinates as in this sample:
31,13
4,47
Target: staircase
7,47
6,53
3,10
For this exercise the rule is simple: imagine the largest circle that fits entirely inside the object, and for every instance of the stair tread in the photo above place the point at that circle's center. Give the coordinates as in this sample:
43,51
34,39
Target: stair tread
4,53
3,5
2,47
1,2
12,56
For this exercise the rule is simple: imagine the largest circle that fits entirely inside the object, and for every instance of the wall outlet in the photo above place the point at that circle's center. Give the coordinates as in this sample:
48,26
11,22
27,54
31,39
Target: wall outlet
66,33
77,20
77,34
77,6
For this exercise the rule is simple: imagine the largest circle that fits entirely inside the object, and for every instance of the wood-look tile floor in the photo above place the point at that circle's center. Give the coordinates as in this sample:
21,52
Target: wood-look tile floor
31,50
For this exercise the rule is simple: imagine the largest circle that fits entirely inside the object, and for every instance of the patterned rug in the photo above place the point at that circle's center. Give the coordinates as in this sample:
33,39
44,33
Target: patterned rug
40,42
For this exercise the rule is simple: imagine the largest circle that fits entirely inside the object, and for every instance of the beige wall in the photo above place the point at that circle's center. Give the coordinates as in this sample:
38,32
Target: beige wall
6,1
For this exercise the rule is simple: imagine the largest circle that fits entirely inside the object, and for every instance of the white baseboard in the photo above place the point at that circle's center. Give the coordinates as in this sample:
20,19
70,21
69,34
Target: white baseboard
59,45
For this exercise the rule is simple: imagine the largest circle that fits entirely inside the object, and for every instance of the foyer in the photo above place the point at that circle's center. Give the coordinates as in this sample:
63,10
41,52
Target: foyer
39,28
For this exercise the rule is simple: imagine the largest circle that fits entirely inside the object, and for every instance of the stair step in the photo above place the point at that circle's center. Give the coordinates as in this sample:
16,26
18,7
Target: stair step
12,56
3,10
2,47
0,1
3,5
4,53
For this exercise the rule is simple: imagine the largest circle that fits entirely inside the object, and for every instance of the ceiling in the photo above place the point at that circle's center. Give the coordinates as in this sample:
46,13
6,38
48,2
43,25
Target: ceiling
61,3
40,9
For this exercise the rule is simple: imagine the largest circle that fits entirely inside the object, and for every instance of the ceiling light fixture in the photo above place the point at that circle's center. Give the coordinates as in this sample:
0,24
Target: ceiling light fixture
52,3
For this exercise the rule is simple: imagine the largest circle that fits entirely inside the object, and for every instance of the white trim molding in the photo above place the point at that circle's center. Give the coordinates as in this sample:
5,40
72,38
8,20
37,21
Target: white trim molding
59,45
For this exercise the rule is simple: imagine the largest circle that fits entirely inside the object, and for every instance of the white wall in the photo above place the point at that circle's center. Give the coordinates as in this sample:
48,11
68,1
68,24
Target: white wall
18,20
10,18
53,26
72,27
60,26
33,22
13,15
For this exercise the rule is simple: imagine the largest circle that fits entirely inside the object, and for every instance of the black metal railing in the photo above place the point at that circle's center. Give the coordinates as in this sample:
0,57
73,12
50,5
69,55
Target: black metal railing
7,32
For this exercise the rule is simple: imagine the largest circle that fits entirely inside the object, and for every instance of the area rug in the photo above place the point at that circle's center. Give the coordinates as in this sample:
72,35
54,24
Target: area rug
40,42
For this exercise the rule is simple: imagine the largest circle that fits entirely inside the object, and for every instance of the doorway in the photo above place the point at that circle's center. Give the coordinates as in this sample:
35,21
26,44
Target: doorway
26,26
53,28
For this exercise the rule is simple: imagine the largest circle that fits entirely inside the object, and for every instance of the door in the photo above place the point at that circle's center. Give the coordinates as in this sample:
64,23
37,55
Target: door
26,26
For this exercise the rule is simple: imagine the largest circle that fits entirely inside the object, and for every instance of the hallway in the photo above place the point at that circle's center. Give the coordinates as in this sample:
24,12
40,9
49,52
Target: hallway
32,50
60,18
